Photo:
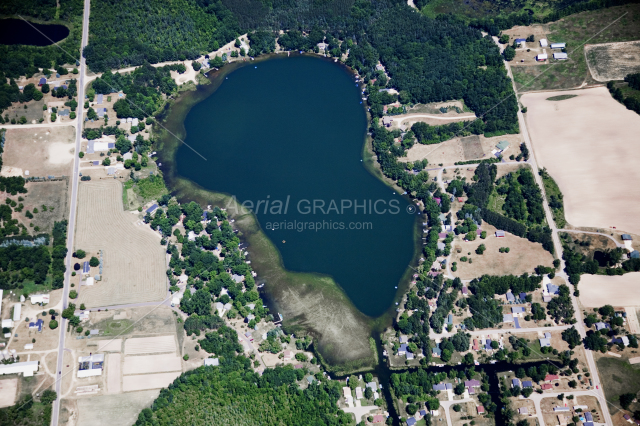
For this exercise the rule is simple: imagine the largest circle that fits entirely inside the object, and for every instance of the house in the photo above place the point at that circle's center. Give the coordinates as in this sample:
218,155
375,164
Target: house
91,365
379,67
39,298
36,325
523,297
346,392
551,378
409,356
152,208
544,342
480,409
516,383
507,318
465,290
411,421
99,98
500,234
587,416
520,40
472,383
101,112
475,346
527,384
502,146
7,323
288,355
373,386
547,335
441,245
64,112
487,345
26,368
386,121
449,319
436,351
250,318
111,171
523,410
626,237
601,325
311,379
542,57
546,298
510,297
546,386
634,254
42,81
560,56
404,339
378,418
518,311
561,409
553,289
543,42
558,45
402,350
237,278
442,386
623,339
134,122
213,362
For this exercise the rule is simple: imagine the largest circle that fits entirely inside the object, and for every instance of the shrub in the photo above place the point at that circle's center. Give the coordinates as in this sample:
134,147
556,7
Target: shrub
73,294
93,262
53,324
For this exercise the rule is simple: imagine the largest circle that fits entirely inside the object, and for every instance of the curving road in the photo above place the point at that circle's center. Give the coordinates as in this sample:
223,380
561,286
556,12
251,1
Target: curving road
72,213
574,231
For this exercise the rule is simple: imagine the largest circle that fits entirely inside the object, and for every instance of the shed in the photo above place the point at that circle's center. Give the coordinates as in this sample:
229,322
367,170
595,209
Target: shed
542,57
213,362
28,346
626,237
558,45
152,208
465,290
510,297
500,234
449,319
480,409
502,145
17,312
635,254
543,42
560,56
523,410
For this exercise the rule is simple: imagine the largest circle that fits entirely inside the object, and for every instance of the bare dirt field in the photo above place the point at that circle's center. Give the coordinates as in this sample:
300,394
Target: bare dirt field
8,391
459,149
42,151
620,290
152,364
613,61
102,410
114,372
114,345
590,145
148,381
523,256
54,195
134,261
149,345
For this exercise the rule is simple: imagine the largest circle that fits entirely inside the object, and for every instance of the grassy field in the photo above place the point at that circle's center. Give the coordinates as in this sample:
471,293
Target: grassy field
618,377
577,30
482,9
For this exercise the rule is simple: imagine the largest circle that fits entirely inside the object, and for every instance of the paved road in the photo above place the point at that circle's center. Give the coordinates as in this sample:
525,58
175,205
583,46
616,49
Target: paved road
558,249
72,213
446,405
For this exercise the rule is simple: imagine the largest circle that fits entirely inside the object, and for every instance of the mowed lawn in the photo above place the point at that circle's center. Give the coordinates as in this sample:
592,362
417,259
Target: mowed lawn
590,145
614,24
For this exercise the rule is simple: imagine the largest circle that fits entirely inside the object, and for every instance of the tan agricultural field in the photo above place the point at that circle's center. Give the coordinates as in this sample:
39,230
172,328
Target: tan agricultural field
613,61
143,364
114,373
523,256
616,290
148,381
134,260
42,151
8,391
590,145
149,345
102,410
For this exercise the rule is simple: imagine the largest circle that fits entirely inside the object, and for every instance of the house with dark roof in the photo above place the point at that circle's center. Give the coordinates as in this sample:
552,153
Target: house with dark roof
42,81
500,234
516,383
472,383
518,310
553,289
510,297
523,297
152,208
411,421
85,267
601,325
402,350
36,325
626,237
487,345
436,351
527,384
101,112
634,254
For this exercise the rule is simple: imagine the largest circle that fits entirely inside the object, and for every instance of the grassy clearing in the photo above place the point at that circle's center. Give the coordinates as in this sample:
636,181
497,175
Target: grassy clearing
551,189
481,9
628,92
618,377
561,97
577,30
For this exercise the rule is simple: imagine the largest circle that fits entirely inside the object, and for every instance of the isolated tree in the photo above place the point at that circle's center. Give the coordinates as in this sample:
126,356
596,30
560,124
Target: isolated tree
509,53
48,396
94,261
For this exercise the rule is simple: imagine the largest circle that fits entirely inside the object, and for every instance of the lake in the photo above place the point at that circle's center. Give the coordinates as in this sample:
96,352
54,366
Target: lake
18,31
285,137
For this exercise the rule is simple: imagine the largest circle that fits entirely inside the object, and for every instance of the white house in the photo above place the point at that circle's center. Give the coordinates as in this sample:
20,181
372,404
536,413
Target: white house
39,298
214,362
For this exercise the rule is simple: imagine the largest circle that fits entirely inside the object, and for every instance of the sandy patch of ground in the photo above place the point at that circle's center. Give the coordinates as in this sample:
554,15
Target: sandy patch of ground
42,151
102,410
152,364
523,256
134,261
114,372
148,381
590,145
613,61
8,390
149,345
617,290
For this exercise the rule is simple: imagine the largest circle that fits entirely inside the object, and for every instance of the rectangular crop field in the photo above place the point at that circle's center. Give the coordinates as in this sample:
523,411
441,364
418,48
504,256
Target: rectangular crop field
104,409
148,381
590,145
114,373
615,290
149,345
113,345
134,260
144,364
613,61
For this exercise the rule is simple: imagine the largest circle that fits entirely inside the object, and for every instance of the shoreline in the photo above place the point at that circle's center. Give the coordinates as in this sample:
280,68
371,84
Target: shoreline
331,301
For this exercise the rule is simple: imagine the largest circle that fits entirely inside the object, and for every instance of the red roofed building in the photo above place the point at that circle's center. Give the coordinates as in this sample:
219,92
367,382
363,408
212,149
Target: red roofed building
475,345
551,377
378,418
480,409
547,386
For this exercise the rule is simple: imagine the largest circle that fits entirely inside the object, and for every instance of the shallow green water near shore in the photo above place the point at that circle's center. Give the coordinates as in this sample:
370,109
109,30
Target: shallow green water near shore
285,136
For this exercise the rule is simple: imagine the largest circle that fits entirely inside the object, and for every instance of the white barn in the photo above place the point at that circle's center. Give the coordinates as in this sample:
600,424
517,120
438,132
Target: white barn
560,55
558,45
543,42
26,368
17,312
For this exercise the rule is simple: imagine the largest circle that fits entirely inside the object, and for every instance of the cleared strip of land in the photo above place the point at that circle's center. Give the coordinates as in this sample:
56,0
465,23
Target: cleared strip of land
616,290
590,145
134,261
148,381
114,372
149,345
152,364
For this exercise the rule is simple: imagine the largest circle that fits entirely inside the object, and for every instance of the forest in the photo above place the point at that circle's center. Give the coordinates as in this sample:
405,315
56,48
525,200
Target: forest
630,102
